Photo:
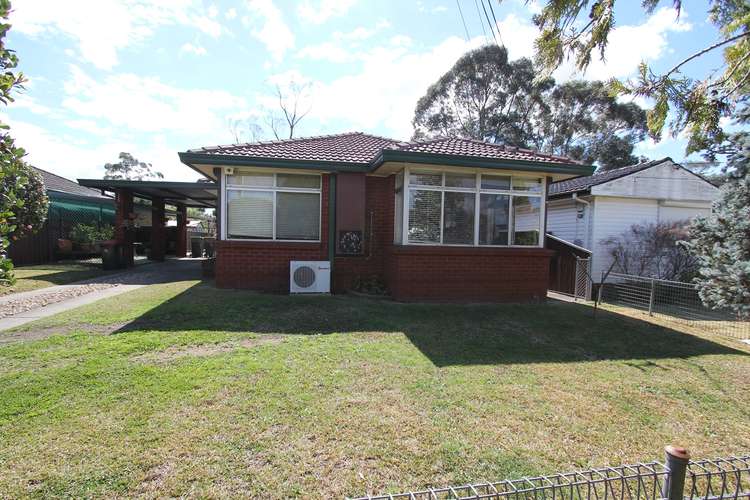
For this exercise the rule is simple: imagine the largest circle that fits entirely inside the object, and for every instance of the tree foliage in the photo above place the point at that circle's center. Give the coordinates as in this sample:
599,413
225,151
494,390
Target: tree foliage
17,179
721,241
32,213
130,168
577,28
651,250
582,120
485,96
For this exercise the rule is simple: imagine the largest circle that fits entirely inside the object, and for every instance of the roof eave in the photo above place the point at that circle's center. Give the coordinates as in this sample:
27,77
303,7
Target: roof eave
478,162
569,194
64,195
188,158
189,164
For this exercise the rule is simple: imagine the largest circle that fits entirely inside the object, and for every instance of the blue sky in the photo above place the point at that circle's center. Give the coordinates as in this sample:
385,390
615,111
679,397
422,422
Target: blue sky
153,77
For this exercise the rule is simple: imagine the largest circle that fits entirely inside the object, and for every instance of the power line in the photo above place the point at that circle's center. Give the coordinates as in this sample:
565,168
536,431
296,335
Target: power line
480,21
489,23
458,4
497,26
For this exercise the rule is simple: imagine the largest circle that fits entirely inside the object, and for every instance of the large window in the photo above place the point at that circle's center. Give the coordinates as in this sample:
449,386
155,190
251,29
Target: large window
446,208
263,206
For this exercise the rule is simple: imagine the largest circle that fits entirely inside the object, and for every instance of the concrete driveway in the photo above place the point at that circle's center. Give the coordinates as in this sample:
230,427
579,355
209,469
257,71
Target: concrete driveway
20,308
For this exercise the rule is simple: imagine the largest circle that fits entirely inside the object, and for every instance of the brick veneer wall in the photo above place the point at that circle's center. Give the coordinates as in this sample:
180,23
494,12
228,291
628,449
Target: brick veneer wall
264,265
467,274
412,273
379,207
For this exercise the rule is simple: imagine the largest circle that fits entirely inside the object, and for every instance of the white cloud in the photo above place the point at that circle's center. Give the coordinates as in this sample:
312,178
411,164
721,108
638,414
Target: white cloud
145,104
193,49
323,10
269,27
628,44
326,51
103,28
421,7
361,32
73,157
231,13
344,46
400,40
24,101
518,36
368,100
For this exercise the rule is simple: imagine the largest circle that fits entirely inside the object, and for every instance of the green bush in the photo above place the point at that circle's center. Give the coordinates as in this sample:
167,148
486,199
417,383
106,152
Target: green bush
89,233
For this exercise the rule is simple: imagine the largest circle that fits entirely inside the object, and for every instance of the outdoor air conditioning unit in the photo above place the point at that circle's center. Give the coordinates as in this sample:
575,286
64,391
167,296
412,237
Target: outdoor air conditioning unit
309,276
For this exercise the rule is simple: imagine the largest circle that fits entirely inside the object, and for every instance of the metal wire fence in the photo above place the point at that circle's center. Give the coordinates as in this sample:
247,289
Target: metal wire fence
675,479
674,301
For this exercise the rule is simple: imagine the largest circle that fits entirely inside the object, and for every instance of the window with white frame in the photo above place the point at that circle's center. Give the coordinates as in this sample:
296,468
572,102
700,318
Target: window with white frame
449,208
273,206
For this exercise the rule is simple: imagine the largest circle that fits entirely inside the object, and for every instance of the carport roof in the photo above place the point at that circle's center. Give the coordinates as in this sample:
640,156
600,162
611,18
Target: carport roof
191,194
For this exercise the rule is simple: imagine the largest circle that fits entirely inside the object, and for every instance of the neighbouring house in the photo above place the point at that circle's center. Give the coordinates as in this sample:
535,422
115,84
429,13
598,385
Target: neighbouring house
69,203
445,219
585,210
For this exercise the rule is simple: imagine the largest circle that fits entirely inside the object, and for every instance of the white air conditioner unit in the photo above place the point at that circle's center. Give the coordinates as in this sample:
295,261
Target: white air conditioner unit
309,276
229,170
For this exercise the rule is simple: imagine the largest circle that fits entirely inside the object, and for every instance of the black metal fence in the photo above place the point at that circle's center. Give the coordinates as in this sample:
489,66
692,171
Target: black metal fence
677,478
674,301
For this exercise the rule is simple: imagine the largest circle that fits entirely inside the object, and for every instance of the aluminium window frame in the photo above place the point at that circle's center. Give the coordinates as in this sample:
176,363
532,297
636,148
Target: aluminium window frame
479,191
269,189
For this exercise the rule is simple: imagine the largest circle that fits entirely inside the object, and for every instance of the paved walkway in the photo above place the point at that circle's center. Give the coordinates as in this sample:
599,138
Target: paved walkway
19,308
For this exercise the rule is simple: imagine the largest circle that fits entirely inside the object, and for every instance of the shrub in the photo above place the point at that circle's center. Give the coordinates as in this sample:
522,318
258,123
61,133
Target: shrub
89,233
652,250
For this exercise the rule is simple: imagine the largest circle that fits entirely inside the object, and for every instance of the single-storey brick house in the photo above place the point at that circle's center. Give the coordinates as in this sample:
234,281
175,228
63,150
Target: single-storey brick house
445,219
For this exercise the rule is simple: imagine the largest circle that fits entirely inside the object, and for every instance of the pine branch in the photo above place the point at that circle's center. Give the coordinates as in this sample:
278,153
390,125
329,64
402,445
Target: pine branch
703,51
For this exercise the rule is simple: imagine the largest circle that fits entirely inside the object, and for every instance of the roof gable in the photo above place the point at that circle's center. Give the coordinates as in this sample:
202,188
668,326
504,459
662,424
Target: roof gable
578,184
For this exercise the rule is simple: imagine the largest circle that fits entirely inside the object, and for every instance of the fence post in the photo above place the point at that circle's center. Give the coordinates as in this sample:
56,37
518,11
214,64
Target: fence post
651,298
677,461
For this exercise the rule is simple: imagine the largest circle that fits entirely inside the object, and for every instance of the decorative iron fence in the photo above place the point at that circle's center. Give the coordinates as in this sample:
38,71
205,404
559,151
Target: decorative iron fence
677,478
675,301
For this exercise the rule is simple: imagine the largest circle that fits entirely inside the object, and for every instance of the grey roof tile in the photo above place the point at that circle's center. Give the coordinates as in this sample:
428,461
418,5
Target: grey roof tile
578,184
54,182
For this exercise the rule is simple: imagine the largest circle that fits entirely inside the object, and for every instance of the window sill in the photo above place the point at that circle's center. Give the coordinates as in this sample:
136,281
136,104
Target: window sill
468,250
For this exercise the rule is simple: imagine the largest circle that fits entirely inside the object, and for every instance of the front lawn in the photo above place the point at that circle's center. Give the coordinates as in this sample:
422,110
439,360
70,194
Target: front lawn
57,273
182,389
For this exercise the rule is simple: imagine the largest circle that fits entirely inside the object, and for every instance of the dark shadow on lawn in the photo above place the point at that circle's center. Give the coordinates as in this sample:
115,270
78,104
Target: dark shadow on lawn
448,334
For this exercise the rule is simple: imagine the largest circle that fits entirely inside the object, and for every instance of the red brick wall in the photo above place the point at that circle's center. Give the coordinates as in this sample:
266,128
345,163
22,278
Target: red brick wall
467,274
411,273
264,265
379,205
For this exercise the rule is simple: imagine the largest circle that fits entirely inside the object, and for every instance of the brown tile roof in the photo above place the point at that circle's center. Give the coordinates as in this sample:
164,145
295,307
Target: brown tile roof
479,149
352,147
357,149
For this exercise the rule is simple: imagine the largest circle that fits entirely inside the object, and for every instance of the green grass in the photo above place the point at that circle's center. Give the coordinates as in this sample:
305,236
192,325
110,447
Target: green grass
182,389
45,275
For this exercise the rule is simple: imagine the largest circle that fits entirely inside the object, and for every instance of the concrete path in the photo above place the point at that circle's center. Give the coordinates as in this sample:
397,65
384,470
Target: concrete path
20,308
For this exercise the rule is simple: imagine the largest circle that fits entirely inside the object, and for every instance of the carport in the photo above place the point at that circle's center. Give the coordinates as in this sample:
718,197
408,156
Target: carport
179,194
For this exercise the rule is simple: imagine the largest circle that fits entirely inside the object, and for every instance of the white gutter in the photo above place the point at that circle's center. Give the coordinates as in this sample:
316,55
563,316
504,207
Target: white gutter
580,200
